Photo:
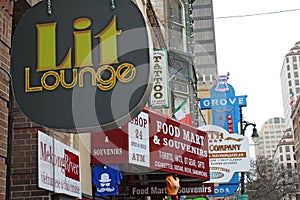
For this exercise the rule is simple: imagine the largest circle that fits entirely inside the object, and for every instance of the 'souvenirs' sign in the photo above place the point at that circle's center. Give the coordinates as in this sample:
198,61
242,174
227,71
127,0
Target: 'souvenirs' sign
79,65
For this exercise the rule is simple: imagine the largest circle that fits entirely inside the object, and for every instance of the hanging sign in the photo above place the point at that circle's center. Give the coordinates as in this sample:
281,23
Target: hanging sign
58,166
160,95
225,107
228,153
79,65
155,141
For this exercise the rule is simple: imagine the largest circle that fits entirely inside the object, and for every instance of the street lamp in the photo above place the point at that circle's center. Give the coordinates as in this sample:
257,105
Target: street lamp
254,136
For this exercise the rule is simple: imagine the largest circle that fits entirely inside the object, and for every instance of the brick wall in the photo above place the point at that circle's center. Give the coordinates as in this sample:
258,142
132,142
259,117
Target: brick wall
24,158
24,165
5,44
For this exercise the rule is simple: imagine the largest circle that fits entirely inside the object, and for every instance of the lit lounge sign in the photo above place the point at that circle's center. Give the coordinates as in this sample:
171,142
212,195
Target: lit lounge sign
71,66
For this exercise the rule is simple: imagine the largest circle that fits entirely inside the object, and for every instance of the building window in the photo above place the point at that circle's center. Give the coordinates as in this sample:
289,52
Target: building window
288,67
287,148
288,157
289,75
296,74
294,59
287,60
295,66
280,149
281,157
178,30
296,82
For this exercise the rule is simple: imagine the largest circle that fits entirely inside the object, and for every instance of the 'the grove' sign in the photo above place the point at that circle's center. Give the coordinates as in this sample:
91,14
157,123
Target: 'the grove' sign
82,66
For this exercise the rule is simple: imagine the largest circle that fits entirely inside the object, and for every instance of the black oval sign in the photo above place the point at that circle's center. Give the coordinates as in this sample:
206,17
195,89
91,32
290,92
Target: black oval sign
81,65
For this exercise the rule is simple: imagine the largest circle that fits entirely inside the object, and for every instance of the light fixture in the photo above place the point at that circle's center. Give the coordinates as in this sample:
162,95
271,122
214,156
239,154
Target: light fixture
255,136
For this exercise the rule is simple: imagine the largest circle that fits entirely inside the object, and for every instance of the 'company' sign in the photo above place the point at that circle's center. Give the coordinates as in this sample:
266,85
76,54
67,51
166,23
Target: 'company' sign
84,66
228,153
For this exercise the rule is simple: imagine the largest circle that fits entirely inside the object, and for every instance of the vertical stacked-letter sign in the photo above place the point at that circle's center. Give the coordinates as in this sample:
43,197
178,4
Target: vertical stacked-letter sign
84,66
138,137
160,95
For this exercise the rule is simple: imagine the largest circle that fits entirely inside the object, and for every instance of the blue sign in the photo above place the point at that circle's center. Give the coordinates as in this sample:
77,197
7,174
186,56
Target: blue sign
225,107
226,114
208,103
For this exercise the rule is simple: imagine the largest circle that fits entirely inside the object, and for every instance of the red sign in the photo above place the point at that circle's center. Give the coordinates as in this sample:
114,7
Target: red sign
155,141
109,147
71,162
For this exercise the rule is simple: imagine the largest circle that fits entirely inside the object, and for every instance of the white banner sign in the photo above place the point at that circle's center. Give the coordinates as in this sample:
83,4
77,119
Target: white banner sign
228,153
159,97
58,166
138,130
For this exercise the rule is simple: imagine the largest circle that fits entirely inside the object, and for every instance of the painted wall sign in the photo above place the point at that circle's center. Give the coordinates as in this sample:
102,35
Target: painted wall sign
71,67
228,153
226,114
155,141
58,166
160,95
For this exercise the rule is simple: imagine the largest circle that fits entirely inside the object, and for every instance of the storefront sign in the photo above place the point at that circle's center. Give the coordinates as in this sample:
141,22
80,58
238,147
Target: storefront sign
208,103
71,66
155,141
110,146
58,166
228,153
160,94
225,106
159,189
138,140
178,148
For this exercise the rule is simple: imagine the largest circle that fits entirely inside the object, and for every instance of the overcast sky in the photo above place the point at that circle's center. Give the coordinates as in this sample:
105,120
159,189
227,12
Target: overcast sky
252,50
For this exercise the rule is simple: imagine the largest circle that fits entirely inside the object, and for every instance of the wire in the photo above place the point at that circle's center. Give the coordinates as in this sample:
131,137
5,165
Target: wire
257,14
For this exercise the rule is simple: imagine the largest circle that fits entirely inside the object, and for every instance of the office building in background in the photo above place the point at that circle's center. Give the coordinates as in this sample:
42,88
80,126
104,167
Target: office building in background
290,81
269,137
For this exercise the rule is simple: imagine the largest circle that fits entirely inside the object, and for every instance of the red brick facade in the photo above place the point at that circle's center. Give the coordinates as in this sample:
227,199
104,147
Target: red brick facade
5,45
